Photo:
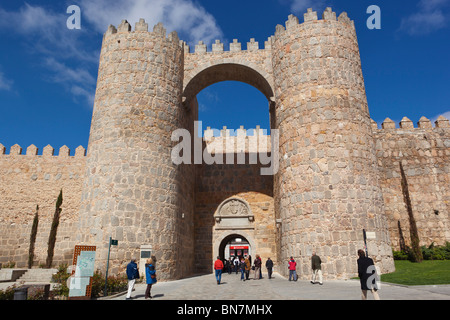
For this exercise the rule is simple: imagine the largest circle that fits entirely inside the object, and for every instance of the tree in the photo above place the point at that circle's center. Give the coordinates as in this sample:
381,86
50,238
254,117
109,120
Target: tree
53,231
415,247
401,238
34,229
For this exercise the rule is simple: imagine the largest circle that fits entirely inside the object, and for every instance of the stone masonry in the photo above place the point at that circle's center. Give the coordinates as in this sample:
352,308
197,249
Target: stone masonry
338,172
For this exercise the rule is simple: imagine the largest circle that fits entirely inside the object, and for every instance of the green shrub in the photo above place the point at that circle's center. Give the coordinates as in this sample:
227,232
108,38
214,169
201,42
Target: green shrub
61,279
37,295
115,284
431,252
8,293
400,255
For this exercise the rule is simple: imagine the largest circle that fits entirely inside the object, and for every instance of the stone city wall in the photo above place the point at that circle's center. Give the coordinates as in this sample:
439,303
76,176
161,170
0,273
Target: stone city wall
338,172
27,180
424,152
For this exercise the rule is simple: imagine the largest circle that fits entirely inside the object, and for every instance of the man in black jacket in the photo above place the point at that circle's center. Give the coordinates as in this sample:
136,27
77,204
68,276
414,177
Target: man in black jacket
269,266
316,266
367,275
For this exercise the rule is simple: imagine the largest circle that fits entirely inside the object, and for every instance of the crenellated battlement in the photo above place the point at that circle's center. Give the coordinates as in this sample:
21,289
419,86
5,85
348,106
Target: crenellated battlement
252,45
406,123
237,141
235,46
311,17
142,27
48,151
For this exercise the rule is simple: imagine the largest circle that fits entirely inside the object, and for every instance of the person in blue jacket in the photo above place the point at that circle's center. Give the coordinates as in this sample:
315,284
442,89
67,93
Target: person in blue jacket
150,276
132,274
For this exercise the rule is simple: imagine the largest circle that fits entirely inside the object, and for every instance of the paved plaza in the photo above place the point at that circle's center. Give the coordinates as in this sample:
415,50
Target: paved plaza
279,288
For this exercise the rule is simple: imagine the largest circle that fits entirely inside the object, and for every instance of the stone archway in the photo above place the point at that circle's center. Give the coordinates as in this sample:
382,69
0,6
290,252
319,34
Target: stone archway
204,76
233,219
226,236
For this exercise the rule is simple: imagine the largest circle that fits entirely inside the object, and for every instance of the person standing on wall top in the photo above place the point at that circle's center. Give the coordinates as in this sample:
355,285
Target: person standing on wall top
132,275
292,269
218,266
316,266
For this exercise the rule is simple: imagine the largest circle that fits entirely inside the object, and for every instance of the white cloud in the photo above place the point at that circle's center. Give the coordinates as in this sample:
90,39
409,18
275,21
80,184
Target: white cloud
445,114
191,21
70,58
5,84
77,81
48,32
432,16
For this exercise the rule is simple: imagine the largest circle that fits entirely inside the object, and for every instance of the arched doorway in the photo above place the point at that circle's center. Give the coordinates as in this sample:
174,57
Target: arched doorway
234,246
234,242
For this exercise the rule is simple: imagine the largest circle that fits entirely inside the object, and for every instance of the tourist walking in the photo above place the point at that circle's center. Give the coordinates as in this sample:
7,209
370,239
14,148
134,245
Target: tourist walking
150,276
242,268
366,271
316,266
292,269
132,274
218,267
269,266
257,265
229,265
236,263
248,267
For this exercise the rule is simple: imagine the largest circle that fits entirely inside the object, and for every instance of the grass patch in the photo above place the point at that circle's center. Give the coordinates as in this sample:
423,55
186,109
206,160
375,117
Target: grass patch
428,272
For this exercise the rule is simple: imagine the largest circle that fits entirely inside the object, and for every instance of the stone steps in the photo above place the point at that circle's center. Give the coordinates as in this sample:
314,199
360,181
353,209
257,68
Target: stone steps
38,275
11,275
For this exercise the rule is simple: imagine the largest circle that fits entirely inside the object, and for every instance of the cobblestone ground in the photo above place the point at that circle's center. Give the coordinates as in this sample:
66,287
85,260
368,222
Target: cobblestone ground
279,288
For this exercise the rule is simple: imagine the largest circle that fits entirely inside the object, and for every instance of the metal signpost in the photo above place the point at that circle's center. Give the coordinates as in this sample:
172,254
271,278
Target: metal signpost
365,242
111,243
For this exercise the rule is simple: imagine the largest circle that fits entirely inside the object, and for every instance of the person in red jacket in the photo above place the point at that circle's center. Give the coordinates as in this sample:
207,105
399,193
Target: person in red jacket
218,267
292,269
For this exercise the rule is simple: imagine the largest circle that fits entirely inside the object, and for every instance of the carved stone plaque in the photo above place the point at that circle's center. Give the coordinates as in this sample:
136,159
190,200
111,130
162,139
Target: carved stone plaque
234,213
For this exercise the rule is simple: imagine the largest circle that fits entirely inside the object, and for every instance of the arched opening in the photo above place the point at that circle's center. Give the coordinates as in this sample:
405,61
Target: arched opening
231,95
234,245
228,72
233,104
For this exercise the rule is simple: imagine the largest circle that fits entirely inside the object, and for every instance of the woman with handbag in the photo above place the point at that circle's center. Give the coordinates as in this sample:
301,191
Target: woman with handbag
150,276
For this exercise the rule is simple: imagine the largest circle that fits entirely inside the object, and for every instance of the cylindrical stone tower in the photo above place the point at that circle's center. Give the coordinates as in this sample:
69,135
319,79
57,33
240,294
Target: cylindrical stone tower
133,192
327,189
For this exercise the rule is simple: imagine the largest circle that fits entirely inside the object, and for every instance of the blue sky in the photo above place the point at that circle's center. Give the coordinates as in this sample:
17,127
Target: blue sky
48,72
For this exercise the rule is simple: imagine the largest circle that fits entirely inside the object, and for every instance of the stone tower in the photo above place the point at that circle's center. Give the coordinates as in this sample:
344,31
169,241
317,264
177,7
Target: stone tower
133,192
326,191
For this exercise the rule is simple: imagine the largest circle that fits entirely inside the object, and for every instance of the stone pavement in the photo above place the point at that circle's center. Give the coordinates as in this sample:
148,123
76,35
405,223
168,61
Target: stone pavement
279,288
